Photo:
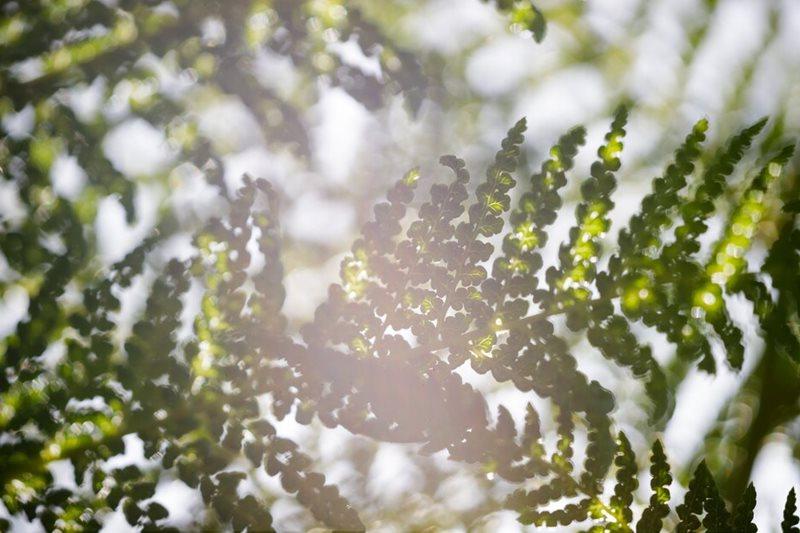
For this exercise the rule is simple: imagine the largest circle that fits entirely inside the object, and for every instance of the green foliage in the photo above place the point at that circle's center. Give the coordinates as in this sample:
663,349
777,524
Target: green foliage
352,368
295,29
417,299
743,517
625,461
523,14
432,284
660,479
790,520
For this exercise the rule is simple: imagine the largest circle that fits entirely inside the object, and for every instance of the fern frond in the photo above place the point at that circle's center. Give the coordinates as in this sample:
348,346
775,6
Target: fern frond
728,261
742,521
642,238
695,212
691,509
415,302
627,482
658,508
680,272
790,519
570,284
717,519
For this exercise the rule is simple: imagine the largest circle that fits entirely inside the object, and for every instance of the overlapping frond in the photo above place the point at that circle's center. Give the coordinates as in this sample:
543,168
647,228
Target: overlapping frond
425,290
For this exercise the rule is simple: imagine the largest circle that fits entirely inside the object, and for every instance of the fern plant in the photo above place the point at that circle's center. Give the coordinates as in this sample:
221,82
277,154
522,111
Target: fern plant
425,290
433,285
434,288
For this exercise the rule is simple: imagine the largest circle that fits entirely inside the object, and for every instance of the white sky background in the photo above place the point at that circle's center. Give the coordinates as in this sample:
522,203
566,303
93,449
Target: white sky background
514,77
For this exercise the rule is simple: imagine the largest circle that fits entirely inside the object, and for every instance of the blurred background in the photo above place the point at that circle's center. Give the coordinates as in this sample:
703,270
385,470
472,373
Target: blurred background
335,100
